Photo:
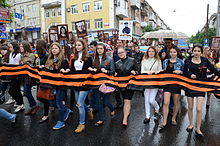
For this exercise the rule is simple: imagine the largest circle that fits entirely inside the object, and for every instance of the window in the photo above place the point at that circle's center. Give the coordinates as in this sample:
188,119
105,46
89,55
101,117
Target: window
53,13
74,9
98,23
34,8
88,24
58,11
73,26
97,5
47,13
34,21
85,7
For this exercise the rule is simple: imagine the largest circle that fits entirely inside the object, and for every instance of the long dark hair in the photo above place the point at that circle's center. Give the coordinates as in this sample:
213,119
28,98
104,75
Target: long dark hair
6,56
16,49
26,46
67,51
41,47
96,62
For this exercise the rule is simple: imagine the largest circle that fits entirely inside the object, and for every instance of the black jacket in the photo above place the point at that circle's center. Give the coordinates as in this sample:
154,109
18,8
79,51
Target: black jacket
203,73
123,67
108,64
138,56
86,65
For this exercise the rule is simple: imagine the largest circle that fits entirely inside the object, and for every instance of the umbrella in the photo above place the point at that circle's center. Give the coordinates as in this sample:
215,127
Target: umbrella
165,34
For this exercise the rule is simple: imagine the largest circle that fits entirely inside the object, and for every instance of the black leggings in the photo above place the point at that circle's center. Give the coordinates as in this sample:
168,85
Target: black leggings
46,105
15,91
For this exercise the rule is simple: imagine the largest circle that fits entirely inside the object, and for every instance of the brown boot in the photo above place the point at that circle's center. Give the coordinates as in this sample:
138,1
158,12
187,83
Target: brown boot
29,112
90,114
80,128
35,109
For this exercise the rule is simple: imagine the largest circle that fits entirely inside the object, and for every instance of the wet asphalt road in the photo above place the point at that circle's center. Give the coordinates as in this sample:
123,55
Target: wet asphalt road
29,133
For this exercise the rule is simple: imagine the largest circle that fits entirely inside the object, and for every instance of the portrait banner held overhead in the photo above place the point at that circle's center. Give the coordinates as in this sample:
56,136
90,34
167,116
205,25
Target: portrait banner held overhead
53,37
81,29
62,30
125,30
45,36
215,43
100,35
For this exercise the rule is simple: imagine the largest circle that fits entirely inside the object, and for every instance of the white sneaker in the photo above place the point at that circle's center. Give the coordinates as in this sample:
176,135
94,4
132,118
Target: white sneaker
20,107
10,101
15,105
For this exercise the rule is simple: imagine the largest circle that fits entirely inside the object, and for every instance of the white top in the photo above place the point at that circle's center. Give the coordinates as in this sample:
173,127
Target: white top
146,65
14,60
78,64
100,59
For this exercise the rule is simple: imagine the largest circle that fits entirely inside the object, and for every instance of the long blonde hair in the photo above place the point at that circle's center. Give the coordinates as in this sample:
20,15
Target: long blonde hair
50,59
146,55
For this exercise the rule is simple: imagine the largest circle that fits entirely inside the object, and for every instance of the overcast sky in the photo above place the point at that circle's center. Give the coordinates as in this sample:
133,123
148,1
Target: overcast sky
190,15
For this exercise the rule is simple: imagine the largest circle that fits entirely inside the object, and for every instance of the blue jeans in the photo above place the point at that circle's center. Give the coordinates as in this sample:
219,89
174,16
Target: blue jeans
7,115
28,94
102,102
94,99
80,97
60,94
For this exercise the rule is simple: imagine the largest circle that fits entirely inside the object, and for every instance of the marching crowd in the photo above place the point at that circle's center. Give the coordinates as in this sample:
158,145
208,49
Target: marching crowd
121,60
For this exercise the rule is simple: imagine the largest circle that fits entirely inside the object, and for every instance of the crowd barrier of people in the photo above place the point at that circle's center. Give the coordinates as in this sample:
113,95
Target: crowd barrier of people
121,61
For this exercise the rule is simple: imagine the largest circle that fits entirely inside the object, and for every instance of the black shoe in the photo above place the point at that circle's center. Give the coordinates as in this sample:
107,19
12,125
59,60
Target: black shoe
189,129
207,106
118,106
13,124
199,134
162,127
43,121
146,120
99,124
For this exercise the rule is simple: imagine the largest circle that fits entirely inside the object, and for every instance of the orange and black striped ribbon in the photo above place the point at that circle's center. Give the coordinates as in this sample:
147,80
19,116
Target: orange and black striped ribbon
138,82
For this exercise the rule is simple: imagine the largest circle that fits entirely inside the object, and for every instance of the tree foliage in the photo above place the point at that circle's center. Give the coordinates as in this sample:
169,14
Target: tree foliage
149,28
200,36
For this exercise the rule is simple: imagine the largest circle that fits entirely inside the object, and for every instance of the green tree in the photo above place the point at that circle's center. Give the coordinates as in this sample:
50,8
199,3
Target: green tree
4,4
200,36
149,28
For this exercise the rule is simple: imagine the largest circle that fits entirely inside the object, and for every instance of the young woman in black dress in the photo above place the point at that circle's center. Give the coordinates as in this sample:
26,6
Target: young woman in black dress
196,68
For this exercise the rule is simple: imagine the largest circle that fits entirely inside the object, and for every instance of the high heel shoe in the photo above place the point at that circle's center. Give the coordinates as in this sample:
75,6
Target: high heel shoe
124,125
199,134
99,123
189,129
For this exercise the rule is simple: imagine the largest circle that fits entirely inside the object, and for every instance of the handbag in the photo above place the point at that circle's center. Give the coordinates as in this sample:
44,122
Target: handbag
106,89
45,93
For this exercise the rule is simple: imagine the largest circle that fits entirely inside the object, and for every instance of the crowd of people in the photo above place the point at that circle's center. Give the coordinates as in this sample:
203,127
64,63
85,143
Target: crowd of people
121,60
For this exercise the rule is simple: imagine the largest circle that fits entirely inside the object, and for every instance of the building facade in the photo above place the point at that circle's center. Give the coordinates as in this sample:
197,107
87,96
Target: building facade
99,15
27,16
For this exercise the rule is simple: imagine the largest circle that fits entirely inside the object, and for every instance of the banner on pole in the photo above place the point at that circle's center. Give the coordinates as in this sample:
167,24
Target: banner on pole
125,30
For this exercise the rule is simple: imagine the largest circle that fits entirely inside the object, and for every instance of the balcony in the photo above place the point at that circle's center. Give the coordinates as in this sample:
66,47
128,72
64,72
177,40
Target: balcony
120,12
50,3
136,20
144,11
135,4
143,24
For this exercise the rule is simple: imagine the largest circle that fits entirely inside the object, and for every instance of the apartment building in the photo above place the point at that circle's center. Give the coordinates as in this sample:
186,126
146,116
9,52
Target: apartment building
29,18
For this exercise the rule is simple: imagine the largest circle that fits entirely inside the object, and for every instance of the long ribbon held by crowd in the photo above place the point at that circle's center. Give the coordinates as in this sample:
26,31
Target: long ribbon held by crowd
138,82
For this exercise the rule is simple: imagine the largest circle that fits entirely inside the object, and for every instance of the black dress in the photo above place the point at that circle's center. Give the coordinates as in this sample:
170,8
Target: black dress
196,70
175,89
